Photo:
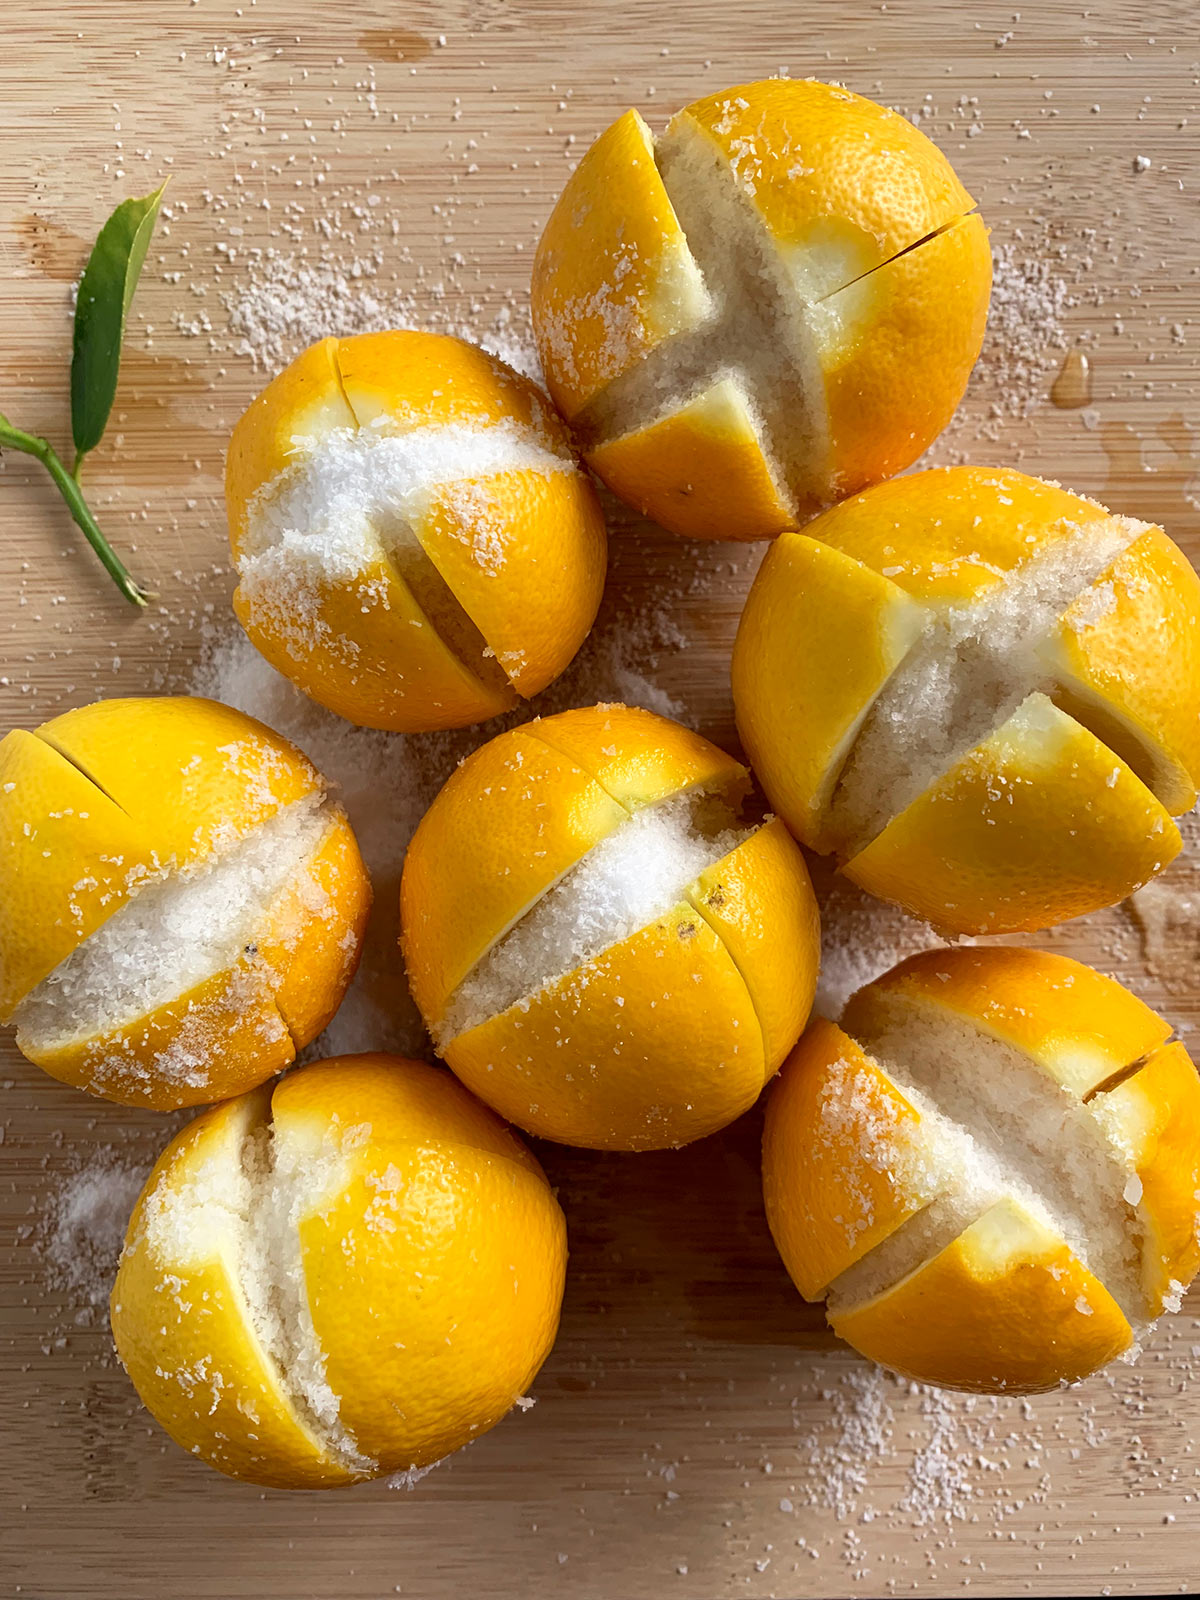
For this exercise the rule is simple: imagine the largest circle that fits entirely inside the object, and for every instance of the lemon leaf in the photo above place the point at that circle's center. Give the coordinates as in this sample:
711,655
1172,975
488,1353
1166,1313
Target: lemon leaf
105,292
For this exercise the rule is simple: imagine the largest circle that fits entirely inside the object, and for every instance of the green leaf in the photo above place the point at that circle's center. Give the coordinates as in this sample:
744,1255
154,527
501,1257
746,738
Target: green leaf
105,291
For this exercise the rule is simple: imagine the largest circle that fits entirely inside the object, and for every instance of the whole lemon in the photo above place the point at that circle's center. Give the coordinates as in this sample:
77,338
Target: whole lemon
772,305
980,691
990,1170
416,545
183,902
352,1274
603,947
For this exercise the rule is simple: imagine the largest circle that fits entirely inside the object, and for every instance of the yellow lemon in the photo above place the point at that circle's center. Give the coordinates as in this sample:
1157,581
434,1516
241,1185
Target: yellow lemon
982,692
416,545
990,1169
352,1274
774,304
183,904
602,949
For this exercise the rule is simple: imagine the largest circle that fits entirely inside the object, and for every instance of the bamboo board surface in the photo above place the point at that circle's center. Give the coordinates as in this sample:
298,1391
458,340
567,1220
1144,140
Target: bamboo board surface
696,1434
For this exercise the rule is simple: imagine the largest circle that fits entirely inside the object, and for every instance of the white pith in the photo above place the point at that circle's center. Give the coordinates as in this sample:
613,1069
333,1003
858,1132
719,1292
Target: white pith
354,498
773,314
997,1125
762,328
244,1204
756,335
970,670
917,1240
176,931
635,874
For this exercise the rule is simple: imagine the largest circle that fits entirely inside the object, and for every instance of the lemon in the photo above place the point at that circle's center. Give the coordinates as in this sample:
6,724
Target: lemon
416,545
771,306
980,692
184,903
350,1275
990,1169
603,950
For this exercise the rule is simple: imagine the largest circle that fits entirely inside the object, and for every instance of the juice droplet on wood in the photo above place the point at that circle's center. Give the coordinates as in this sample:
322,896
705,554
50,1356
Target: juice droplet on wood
1163,489
394,44
1073,386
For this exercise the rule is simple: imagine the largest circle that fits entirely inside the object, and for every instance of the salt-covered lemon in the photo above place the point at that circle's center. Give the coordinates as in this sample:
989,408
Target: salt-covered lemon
980,691
991,1169
352,1274
416,545
181,903
772,305
602,948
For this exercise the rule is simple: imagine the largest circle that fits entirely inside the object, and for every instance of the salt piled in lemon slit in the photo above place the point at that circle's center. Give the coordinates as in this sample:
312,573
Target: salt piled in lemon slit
416,545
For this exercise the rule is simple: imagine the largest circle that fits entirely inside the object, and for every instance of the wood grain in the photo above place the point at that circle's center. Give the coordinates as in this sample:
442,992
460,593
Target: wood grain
683,1423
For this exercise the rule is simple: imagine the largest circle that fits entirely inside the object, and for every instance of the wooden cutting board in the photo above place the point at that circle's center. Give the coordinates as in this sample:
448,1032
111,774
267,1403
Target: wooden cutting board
696,1433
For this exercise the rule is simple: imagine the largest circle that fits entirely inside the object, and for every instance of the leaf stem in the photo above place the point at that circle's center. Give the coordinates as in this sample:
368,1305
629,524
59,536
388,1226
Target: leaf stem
41,449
